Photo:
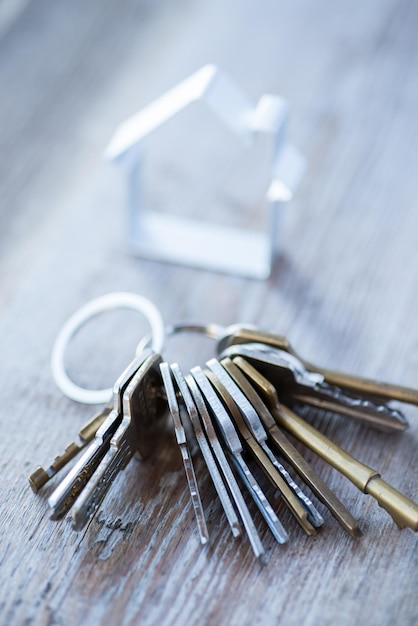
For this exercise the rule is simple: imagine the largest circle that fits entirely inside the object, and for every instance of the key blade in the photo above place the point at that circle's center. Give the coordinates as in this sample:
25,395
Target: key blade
142,406
379,391
218,411
246,408
403,510
292,455
70,488
90,499
331,398
205,393
182,443
296,383
241,466
258,449
263,505
40,476
215,475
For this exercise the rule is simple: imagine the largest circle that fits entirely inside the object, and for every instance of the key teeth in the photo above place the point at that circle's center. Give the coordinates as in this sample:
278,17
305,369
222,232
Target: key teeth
38,479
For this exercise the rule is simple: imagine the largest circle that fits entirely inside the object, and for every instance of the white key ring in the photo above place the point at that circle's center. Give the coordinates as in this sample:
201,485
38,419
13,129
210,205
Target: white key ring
109,302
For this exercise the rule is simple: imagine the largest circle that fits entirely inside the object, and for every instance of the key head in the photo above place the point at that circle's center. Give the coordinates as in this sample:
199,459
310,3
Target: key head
282,368
144,405
242,334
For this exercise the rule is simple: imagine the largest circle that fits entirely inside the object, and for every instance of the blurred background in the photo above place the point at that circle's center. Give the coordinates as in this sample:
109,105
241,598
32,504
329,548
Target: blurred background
70,72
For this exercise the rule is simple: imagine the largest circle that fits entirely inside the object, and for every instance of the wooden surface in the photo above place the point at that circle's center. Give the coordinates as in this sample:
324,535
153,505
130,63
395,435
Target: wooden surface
344,290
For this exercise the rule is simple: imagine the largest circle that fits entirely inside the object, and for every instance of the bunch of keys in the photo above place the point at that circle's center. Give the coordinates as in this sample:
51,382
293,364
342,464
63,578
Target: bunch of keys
240,408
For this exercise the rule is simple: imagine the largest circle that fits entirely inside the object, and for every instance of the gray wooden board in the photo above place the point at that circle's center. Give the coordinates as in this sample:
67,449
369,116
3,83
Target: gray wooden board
345,290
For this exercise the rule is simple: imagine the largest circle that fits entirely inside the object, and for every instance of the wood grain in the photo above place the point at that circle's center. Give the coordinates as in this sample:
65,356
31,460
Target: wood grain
344,289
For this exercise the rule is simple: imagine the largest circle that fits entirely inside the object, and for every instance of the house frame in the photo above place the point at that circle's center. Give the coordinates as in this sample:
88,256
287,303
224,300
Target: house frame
197,243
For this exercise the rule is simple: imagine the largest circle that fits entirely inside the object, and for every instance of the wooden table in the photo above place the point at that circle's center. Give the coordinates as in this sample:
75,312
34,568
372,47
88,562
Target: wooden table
344,289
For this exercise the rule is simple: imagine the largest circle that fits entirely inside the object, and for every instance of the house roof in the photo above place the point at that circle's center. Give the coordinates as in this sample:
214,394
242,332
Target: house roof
215,89
208,84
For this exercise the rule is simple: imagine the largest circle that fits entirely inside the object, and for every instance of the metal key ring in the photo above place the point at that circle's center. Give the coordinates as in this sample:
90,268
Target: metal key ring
109,302
213,331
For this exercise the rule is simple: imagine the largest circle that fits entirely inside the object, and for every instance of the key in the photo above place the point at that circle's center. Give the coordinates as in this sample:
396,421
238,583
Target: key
220,456
278,530
251,406
143,407
206,451
403,511
209,396
255,436
377,391
290,453
70,488
297,384
233,443
184,449
40,476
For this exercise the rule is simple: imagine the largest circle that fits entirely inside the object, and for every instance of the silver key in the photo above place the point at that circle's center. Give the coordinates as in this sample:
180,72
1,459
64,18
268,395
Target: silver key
206,451
142,409
185,453
218,450
233,442
248,401
70,488
202,390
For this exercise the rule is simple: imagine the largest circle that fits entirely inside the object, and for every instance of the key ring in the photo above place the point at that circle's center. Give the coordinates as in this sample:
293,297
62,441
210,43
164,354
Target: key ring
108,302
213,331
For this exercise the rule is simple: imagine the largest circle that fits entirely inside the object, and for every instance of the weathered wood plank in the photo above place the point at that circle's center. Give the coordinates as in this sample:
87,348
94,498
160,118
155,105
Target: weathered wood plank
344,290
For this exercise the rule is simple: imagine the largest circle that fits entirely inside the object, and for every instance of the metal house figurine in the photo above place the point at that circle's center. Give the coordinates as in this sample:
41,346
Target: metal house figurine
198,243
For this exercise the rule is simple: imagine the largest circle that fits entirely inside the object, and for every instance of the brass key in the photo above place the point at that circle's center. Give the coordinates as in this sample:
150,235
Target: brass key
377,391
40,476
297,384
402,510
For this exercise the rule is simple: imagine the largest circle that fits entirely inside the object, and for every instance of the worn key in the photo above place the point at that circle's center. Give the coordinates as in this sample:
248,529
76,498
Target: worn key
197,374
255,449
402,510
143,407
70,488
40,476
287,449
209,396
185,453
234,445
296,383
377,391
251,406
255,436
206,451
